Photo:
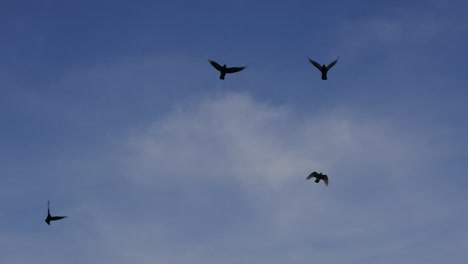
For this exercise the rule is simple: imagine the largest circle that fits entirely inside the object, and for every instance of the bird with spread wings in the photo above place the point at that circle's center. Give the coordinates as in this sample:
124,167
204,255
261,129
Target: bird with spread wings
224,70
318,177
322,68
50,217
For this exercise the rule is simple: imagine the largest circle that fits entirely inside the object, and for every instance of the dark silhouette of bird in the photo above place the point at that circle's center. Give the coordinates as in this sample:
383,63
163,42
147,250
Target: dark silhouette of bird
223,69
52,218
322,68
318,176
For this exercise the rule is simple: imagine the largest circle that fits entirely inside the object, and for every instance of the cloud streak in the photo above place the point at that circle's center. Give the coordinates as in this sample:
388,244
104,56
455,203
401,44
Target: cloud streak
222,179
377,204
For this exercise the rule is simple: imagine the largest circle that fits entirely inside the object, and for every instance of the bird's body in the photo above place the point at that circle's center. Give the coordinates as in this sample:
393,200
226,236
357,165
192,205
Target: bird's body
323,68
318,177
50,217
223,70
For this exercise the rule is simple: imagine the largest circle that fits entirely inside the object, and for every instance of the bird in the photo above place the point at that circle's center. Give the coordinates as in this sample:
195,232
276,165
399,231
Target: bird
318,176
223,69
52,218
322,68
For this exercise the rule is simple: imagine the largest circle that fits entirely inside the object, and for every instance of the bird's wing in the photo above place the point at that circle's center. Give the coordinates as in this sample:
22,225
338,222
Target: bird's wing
235,69
48,207
325,179
313,174
318,66
54,218
332,64
215,64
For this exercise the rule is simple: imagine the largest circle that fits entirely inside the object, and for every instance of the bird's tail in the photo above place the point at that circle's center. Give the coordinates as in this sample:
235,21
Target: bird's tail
317,180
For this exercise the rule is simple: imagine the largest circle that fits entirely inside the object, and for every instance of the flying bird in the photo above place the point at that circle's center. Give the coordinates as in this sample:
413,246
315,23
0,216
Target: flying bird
318,176
52,218
223,69
322,68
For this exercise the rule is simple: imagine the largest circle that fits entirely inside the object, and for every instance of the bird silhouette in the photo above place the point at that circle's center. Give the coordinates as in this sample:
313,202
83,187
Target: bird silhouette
52,218
223,69
322,68
318,176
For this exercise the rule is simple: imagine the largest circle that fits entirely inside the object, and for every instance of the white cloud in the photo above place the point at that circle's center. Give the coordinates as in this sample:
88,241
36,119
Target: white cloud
375,199
257,144
176,206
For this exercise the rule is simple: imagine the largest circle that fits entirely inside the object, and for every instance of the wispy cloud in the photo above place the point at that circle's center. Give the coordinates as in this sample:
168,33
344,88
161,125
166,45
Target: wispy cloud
223,180
377,203
403,27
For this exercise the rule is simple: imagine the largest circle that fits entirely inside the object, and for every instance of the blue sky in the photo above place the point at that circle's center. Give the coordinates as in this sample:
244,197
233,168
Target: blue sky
111,110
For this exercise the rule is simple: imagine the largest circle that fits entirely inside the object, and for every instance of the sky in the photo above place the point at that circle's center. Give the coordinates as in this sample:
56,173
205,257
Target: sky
112,112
